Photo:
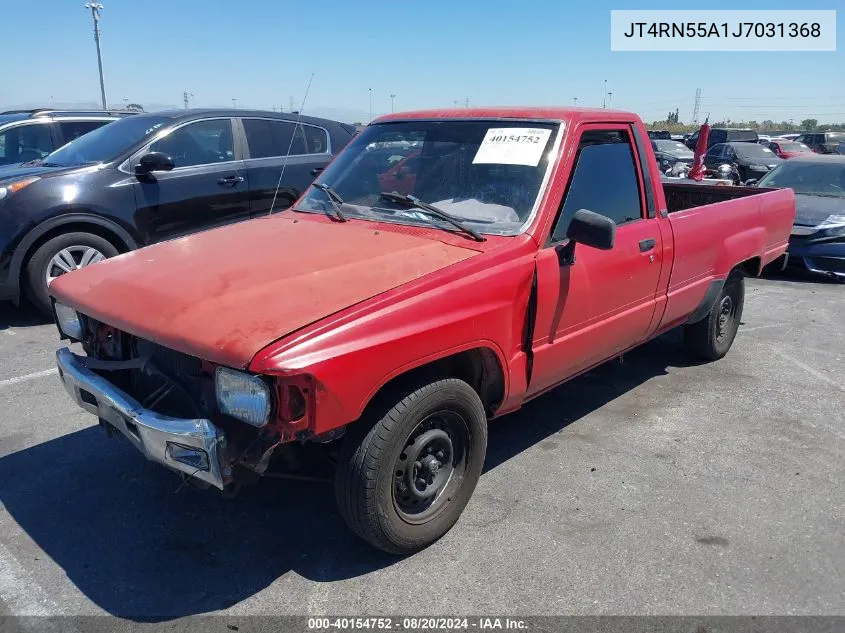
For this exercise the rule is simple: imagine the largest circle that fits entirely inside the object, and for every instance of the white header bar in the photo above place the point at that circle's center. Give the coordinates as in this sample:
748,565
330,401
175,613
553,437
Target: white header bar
683,30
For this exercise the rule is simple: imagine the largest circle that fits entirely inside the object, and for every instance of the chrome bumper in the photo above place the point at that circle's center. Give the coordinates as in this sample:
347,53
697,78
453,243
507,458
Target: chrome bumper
148,431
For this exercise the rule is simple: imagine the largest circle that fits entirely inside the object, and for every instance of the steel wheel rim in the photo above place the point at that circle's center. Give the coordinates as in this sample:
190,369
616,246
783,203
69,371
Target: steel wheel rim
430,467
70,259
727,311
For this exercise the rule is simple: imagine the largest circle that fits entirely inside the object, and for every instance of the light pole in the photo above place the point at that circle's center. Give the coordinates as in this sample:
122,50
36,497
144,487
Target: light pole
234,101
96,7
576,101
609,99
370,90
604,96
392,97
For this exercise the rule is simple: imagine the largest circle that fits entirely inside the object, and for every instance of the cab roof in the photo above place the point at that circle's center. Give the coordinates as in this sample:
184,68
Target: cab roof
539,113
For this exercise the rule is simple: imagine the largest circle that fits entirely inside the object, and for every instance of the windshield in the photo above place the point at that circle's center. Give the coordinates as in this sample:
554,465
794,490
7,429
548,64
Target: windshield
815,178
487,174
753,150
673,147
105,143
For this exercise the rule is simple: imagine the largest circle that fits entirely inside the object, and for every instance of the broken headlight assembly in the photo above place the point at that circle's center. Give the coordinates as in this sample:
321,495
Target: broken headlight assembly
69,322
245,397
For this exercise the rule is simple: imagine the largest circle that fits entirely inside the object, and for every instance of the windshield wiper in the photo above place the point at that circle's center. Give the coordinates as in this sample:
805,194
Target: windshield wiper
334,198
411,201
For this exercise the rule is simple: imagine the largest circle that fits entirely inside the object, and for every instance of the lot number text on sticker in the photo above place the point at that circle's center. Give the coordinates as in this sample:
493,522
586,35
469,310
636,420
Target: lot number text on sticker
512,146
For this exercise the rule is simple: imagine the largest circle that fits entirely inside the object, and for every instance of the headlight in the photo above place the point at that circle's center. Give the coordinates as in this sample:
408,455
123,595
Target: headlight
69,322
242,396
12,187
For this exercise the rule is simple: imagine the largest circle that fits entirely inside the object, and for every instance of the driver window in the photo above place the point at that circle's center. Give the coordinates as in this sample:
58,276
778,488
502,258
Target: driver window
604,180
200,143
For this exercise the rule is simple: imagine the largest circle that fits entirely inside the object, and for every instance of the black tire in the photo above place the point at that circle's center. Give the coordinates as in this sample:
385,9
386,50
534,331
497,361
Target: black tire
374,466
712,337
36,268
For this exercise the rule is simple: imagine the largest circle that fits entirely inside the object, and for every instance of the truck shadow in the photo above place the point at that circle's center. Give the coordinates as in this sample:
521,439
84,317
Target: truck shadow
141,549
12,316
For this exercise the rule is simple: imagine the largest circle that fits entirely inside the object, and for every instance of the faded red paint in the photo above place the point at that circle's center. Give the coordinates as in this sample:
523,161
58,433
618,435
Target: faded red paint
224,294
349,306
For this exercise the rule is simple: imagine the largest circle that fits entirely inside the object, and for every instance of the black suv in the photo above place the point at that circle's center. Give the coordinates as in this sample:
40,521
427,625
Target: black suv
724,135
27,135
822,142
148,178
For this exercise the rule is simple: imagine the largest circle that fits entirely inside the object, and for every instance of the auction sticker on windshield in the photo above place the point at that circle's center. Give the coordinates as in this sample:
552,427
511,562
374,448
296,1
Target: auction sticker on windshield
512,146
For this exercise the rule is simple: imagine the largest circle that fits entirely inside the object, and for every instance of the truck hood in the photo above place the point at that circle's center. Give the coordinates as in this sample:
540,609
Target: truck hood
224,294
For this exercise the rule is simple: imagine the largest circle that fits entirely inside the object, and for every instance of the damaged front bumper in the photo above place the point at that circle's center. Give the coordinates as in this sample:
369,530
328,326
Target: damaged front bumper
195,447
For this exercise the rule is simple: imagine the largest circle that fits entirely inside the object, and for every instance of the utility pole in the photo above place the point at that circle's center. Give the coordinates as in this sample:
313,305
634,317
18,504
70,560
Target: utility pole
604,96
186,96
466,102
392,97
96,7
697,106
234,101
291,104
370,90
609,99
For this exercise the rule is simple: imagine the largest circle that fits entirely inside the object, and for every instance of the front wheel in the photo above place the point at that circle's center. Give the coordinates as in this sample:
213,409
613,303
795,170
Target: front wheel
404,478
712,337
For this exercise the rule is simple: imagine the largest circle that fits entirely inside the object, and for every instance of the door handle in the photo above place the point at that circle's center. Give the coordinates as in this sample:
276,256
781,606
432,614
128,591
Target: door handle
647,245
230,181
317,171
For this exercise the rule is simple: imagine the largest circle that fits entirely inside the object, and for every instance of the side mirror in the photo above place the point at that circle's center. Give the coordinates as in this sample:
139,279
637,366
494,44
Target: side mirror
750,182
154,161
592,229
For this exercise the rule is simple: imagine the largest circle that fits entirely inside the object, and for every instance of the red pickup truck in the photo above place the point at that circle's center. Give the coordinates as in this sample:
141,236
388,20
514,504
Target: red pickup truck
513,250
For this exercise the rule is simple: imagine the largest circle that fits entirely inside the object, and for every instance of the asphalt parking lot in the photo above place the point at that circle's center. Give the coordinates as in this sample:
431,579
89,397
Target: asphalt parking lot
652,486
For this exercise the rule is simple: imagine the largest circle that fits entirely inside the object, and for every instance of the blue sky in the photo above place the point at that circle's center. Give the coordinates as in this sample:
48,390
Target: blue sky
430,54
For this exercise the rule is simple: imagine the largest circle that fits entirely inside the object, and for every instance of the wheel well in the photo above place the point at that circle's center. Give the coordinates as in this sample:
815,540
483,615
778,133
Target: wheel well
73,227
751,267
478,367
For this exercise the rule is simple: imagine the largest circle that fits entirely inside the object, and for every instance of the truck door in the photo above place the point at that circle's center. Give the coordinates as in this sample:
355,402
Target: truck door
604,302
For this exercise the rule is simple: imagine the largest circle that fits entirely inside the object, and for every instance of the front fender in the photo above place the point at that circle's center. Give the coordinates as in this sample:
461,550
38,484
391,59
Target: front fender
351,360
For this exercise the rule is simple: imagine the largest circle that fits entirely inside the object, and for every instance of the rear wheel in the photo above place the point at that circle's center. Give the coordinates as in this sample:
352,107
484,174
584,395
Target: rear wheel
712,337
404,478
59,255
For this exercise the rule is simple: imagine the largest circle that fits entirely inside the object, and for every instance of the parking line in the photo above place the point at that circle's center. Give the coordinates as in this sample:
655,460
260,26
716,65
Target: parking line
807,368
33,376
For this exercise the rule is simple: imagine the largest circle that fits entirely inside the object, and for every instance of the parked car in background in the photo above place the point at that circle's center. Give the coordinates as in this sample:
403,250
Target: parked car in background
822,142
668,153
150,177
790,137
763,139
817,242
787,149
750,160
388,327
27,135
724,135
664,135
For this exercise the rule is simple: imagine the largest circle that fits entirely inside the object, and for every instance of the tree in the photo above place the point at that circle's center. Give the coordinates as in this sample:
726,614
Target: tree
135,107
809,124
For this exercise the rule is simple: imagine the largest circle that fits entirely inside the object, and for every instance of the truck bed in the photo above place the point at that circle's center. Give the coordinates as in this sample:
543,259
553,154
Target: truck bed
688,196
